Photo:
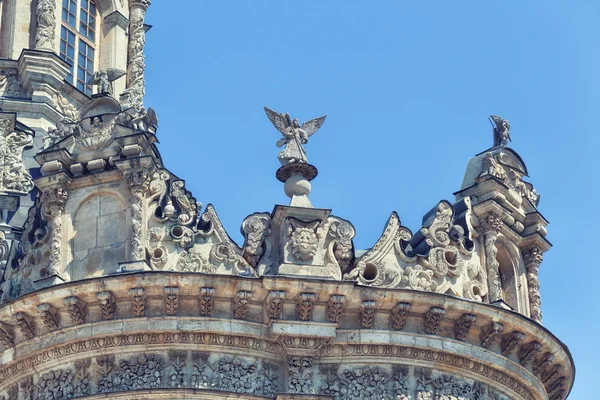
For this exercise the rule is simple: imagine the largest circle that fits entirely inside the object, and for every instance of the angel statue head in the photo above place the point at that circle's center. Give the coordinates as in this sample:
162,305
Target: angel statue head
294,135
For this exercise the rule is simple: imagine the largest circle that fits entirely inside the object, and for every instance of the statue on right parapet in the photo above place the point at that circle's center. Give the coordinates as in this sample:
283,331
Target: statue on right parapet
501,131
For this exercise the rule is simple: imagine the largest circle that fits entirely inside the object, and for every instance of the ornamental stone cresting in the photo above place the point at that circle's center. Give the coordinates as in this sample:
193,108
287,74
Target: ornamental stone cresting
118,283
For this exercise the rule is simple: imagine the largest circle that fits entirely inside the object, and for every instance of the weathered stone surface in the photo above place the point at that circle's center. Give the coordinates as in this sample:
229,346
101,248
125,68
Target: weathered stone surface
119,284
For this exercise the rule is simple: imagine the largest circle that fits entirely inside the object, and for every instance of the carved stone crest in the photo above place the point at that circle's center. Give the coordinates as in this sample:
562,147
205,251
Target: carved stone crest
303,239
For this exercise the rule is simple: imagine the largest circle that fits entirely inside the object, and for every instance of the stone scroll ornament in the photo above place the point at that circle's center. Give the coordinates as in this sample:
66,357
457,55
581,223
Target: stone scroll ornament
46,24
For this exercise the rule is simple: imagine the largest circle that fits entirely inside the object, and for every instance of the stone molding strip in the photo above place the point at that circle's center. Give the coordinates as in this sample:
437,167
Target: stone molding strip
517,380
153,286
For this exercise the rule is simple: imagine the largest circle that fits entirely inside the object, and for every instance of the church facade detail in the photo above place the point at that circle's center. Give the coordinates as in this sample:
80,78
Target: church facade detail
117,283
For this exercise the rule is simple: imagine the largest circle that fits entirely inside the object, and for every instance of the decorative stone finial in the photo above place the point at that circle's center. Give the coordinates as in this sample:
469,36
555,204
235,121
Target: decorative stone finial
295,171
501,131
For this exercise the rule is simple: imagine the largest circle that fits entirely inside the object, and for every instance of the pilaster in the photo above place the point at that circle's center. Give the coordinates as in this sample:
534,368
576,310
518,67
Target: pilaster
533,259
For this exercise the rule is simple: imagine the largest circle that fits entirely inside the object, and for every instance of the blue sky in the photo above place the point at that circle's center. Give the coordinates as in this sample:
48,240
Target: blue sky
407,87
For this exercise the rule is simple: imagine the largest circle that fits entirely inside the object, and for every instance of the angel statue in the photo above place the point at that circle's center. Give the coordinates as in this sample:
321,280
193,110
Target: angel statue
104,79
501,131
294,135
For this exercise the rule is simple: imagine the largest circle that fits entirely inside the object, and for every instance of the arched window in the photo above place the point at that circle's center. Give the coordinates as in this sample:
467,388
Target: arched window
508,279
78,41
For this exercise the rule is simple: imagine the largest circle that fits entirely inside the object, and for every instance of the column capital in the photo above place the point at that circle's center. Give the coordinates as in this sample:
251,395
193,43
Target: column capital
491,224
139,3
533,257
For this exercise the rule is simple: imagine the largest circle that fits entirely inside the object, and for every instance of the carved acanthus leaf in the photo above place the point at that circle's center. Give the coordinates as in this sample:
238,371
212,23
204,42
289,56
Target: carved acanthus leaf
511,341
77,309
240,304
25,324
543,363
335,307
529,352
463,326
138,302
399,315
7,336
340,250
207,301
171,300
49,316
275,304
255,228
305,305
367,314
108,305
491,334
432,320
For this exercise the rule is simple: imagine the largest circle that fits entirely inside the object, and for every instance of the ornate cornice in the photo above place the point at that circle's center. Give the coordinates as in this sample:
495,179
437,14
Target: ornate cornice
407,310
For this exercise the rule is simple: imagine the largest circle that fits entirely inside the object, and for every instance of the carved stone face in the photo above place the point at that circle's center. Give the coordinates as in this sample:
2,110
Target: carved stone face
96,122
304,243
296,123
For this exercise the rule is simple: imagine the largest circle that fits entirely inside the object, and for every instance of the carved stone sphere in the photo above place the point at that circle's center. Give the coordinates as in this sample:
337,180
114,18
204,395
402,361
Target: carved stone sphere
297,185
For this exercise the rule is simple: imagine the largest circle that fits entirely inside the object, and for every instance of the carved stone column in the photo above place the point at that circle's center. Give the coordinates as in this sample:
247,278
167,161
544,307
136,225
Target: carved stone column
53,207
135,52
138,180
46,25
490,226
533,258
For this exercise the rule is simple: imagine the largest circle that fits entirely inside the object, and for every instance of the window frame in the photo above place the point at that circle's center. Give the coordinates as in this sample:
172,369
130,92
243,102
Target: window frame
85,49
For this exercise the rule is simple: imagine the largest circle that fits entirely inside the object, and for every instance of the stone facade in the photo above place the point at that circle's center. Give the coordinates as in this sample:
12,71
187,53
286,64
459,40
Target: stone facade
118,283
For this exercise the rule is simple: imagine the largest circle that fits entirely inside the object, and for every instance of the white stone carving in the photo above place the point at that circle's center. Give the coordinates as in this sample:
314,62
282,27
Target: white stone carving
14,176
46,25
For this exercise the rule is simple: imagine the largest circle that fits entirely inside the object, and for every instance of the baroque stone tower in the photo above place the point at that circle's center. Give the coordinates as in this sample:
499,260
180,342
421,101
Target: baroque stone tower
117,284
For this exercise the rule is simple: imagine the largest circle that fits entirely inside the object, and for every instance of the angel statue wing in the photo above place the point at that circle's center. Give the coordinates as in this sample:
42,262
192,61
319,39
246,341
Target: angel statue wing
501,131
279,121
94,80
497,120
151,117
313,125
114,74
